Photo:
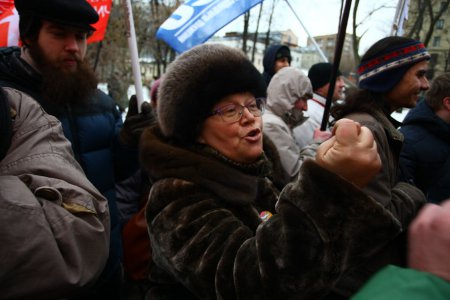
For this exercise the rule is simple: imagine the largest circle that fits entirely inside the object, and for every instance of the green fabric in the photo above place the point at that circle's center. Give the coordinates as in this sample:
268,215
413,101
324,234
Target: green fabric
404,284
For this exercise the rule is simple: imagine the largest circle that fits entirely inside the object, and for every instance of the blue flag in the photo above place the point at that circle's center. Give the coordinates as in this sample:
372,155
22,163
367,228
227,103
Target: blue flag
195,21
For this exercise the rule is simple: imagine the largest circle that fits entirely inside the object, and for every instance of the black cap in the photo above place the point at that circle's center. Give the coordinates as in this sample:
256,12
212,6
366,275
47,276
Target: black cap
74,13
320,74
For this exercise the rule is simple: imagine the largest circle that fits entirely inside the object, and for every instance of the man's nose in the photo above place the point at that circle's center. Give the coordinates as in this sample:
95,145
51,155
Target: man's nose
71,44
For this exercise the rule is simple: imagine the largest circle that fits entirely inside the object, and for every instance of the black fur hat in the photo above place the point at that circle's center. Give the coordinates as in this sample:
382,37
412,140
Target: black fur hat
196,81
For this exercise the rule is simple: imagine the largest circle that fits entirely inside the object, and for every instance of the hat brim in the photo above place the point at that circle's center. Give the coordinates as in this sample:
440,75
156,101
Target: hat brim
69,23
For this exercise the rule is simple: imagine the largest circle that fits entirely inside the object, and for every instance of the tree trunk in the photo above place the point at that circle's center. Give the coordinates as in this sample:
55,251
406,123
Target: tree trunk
255,36
267,41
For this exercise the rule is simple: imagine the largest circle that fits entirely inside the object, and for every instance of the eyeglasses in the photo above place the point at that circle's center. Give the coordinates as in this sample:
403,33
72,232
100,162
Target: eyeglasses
233,112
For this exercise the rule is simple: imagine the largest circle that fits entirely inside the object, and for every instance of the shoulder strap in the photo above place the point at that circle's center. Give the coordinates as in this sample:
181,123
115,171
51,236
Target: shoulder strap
5,125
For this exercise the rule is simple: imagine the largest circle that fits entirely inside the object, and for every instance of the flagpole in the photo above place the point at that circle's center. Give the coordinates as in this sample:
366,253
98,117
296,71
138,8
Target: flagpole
132,45
97,55
337,60
325,59
398,19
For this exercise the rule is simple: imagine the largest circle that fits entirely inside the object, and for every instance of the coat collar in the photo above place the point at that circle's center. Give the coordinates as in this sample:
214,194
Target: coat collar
203,167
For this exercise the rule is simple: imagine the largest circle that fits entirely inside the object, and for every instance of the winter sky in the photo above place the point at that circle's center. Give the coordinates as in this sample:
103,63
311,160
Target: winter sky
321,17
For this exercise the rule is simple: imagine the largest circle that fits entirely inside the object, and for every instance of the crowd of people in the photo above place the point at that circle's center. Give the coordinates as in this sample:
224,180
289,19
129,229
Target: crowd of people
224,186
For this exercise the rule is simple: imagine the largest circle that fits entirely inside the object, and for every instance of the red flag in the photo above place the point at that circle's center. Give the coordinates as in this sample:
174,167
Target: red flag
9,21
103,8
5,5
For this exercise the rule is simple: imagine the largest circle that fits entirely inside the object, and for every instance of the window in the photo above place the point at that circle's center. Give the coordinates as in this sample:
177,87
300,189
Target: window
440,24
437,41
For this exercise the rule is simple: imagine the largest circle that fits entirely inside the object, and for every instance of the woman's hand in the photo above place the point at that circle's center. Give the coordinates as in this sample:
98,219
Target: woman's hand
351,153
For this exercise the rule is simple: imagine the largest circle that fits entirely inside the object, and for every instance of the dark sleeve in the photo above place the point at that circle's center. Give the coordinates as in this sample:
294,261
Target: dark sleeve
402,199
407,161
131,195
126,161
299,252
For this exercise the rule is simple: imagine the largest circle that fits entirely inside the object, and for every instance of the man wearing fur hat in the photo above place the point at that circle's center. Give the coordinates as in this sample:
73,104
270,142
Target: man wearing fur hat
50,67
391,75
319,74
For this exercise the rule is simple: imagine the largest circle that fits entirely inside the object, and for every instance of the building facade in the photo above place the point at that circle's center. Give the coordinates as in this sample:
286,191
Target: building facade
328,45
434,31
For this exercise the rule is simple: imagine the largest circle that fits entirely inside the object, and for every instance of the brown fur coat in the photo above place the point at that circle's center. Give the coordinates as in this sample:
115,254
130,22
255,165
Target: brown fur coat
209,242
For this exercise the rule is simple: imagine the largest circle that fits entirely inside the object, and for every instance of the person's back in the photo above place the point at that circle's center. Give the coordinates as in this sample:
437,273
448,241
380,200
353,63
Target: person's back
50,66
424,159
56,223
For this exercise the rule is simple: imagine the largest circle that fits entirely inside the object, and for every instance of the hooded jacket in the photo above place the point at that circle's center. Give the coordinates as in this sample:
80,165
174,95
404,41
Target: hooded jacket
424,158
55,223
270,56
304,133
286,88
209,242
93,132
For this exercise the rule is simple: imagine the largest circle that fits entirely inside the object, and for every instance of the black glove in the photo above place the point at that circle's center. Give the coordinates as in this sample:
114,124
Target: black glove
136,122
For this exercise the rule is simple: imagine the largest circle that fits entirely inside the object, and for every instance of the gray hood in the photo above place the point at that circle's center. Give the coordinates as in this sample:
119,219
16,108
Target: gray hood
286,87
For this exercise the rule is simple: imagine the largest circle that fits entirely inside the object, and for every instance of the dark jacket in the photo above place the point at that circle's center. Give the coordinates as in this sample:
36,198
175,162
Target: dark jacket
402,199
270,56
93,131
424,159
209,242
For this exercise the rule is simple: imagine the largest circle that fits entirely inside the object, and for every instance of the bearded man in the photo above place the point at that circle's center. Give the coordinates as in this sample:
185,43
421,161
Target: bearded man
50,67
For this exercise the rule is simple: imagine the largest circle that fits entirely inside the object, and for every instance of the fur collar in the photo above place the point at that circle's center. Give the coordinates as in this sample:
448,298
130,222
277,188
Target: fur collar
206,167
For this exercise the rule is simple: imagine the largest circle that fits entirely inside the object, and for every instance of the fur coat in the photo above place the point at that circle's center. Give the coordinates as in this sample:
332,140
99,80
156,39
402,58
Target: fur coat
209,242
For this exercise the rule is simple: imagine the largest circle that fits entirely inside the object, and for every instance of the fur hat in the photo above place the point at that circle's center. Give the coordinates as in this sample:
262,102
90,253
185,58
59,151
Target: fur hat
196,81
75,13
320,74
381,71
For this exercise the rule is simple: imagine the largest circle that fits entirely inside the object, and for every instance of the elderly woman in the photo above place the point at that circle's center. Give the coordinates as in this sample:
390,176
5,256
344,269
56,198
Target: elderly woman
218,226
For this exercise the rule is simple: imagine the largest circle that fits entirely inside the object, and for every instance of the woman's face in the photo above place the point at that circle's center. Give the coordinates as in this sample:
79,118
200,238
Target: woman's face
241,140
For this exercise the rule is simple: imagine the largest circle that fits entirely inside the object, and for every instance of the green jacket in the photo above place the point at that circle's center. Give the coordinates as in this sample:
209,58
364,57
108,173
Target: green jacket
398,283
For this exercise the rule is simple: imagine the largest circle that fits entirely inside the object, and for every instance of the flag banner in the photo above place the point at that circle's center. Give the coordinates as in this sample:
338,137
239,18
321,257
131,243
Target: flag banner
195,21
9,22
103,8
5,5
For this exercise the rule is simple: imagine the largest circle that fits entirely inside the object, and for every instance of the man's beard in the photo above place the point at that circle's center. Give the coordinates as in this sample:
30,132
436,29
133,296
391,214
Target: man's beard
295,117
60,86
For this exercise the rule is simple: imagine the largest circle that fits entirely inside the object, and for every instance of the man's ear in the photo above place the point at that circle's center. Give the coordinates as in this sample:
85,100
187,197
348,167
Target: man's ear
446,103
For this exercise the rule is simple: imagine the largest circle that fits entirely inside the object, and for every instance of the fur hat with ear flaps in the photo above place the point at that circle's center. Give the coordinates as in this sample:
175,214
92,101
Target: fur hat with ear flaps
196,81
